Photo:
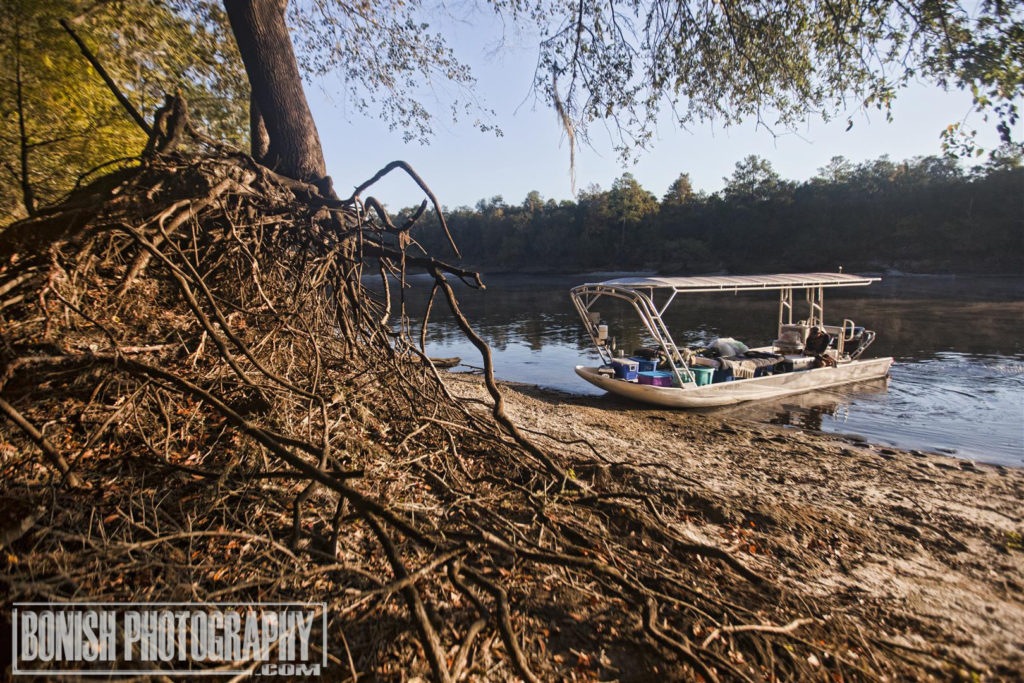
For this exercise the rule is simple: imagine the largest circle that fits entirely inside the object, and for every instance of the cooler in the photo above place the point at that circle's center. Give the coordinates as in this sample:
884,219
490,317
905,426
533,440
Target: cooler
625,368
646,364
656,378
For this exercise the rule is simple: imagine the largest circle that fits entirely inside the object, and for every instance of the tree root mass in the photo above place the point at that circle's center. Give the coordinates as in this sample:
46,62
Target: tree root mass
205,401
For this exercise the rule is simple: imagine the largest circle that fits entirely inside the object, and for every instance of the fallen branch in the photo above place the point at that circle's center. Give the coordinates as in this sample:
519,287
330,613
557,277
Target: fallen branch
48,449
759,628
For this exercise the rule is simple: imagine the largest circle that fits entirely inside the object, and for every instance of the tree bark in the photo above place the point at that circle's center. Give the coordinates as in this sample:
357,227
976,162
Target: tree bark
259,140
262,37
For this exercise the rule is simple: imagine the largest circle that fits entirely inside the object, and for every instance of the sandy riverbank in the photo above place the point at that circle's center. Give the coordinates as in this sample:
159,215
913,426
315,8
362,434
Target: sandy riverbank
924,553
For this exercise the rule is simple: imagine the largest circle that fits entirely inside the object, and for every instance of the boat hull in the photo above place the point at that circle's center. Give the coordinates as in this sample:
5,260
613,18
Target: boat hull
738,391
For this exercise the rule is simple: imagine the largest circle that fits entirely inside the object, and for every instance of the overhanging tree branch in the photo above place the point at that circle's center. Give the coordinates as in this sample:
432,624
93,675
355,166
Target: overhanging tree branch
132,111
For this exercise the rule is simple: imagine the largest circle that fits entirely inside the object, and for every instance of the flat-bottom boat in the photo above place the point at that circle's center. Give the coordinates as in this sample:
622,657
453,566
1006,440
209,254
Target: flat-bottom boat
682,378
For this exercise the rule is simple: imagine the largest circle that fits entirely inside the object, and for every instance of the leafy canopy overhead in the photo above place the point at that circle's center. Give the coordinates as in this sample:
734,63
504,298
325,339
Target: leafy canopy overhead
778,61
618,64
384,52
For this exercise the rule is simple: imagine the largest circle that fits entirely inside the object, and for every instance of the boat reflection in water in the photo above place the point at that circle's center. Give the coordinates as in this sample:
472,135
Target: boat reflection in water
806,411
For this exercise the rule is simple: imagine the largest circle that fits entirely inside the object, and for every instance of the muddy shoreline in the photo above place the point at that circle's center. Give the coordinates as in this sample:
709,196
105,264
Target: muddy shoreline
923,552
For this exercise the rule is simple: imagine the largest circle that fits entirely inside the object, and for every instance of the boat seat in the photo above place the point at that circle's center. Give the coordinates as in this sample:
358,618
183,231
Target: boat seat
792,339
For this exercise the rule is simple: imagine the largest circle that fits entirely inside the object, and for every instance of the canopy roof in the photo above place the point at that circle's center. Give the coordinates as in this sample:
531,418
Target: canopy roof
734,283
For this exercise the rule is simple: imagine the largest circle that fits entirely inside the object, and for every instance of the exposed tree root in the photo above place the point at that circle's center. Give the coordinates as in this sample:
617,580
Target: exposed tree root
227,413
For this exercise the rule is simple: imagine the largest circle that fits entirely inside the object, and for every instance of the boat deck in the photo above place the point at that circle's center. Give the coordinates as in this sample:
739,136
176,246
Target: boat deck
740,390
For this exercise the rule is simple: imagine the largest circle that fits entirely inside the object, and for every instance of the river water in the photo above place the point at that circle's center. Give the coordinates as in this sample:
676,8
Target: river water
956,387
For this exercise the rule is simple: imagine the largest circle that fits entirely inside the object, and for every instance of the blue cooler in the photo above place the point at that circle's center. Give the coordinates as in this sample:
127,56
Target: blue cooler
646,364
625,368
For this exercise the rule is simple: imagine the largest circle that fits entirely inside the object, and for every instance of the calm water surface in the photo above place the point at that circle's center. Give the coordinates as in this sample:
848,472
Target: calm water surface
957,386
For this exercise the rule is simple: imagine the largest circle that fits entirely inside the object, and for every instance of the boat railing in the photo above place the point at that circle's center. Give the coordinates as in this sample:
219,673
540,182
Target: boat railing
585,296
664,338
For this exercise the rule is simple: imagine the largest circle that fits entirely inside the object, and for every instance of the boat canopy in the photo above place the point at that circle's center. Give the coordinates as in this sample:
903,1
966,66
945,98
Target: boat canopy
650,297
736,283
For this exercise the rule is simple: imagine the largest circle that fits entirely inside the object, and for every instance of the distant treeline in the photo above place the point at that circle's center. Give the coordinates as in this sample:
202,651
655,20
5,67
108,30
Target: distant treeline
921,215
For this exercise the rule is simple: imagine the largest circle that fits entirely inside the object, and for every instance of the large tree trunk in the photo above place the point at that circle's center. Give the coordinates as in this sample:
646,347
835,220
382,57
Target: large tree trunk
266,49
259,140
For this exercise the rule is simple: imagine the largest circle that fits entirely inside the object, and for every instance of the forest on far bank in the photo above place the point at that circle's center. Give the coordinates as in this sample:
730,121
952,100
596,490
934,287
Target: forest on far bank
923,215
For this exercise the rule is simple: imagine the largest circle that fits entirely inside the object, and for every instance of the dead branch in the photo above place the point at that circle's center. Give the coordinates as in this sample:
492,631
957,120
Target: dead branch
87,53
48,449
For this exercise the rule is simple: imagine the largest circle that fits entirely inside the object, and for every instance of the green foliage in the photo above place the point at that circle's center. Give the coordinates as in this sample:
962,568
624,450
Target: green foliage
384,54
629,202
984,55
152,48
754,179
921,215
680,192
837,170
1003,158
621,63
58,120
55,119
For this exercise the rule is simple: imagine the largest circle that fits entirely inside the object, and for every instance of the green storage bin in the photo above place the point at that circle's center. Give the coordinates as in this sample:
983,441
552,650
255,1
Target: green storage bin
702,375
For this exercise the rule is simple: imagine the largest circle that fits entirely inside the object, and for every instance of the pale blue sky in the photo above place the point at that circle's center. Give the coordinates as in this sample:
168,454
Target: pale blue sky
463,165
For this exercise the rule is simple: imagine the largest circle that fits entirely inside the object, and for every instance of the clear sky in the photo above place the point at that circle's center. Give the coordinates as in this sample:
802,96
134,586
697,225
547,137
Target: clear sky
463,165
